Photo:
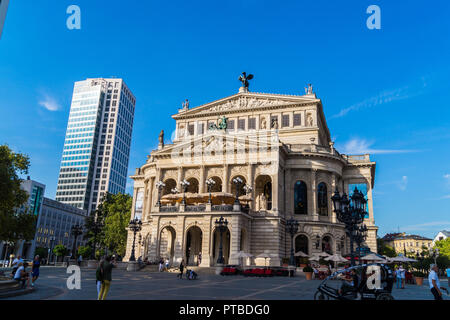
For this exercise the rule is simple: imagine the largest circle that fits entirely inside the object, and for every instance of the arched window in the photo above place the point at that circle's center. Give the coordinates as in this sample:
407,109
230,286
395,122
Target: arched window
301,244
322,201
300,198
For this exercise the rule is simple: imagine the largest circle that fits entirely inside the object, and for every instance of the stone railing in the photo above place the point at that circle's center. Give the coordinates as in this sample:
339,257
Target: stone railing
201,208
312,148
357,158
198,208
168,209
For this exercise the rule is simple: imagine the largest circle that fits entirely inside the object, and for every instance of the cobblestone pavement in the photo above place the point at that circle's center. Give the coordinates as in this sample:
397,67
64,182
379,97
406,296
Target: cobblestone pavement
146,285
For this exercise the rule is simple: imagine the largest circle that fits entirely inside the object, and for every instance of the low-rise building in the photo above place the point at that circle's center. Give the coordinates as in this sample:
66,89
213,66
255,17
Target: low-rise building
442,235
403,243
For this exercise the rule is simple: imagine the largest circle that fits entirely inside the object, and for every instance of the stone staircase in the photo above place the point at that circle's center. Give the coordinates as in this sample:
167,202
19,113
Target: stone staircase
11,288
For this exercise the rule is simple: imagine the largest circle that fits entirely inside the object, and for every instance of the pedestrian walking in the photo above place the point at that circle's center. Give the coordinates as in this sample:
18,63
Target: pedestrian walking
167,264
80,259
106,267
180,275
199,258
402,273
161,265
35,269
433,280
99,277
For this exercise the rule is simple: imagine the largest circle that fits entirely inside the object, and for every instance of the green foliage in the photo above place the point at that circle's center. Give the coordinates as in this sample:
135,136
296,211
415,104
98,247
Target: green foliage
60,250
308,269
12,196
444,247
84,251
418,274
41,252
118,208
384,249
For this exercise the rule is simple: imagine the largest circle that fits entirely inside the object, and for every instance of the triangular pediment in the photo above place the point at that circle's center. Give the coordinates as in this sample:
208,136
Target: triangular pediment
245,101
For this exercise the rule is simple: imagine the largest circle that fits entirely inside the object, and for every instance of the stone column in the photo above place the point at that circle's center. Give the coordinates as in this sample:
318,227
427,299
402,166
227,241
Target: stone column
180,177
206,240
225,182
251,182
330,194
154,239
313,196
289,193
235,231
201,187
133,205
155,190
179,240
370,203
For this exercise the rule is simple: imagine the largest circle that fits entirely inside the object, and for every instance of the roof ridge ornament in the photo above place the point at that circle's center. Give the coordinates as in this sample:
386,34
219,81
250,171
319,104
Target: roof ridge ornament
244,79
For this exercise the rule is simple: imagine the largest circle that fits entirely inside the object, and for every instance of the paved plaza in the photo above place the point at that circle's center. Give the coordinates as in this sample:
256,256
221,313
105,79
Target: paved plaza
144,285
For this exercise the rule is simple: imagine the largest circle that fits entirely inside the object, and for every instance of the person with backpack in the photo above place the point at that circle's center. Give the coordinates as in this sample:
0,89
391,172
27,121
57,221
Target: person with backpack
106,270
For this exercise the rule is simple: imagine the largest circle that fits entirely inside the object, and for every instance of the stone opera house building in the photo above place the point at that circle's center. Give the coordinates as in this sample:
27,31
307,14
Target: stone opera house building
257,160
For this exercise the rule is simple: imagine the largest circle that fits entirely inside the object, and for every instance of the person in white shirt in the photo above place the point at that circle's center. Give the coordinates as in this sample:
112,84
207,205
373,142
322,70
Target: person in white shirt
402,273
433,280
21,275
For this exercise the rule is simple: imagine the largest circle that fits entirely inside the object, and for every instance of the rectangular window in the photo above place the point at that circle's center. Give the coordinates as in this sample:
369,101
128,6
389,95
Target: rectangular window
285,120
252,123
241,124
201,128
297,119
191,129
230,125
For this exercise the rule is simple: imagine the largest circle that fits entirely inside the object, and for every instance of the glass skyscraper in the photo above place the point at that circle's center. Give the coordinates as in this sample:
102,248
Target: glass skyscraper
97,143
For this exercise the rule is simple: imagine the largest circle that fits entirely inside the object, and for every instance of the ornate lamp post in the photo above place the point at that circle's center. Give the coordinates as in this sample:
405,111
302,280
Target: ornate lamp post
135,226
221,225
210,184
351,214
51,240
76,230
160,185
237,181
359,236
184,184
292,228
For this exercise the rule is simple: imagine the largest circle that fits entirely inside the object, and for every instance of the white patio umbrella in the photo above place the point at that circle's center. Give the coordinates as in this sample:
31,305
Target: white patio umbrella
323,254
266,255
301,254
372,257
241,255
402,259
336,258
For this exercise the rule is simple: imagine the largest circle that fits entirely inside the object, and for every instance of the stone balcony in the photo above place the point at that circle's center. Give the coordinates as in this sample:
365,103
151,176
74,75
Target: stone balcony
202,208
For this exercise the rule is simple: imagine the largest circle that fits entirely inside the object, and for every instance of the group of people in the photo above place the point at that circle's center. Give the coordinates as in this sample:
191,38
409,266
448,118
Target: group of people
163,264
21,275
400,275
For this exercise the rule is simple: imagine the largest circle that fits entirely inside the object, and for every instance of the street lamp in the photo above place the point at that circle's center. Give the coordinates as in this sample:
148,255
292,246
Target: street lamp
51,240
76,230
292,228
351,214
184,184
159,185
237,181
135,226
210,184
359,236
221,225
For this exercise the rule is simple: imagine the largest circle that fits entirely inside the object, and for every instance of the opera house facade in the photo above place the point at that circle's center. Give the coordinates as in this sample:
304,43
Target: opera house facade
256,160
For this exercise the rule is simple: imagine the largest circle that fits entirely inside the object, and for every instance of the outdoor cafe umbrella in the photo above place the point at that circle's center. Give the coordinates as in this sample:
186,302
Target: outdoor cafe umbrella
402,259
241,254
336,258
372,257
323,254
266,255
301,254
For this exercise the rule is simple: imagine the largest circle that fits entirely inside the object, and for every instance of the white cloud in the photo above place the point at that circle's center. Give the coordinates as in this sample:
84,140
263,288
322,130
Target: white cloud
362,146
427,226
403,183
447,176
49,103
386,96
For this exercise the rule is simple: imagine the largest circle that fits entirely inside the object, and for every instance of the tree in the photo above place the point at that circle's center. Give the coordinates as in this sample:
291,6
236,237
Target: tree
94,226
60,250
118,208
384,249
12,196
84,251
41,252
444,247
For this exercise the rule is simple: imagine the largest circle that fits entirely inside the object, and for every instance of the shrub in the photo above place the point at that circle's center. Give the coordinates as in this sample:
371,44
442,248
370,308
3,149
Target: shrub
308,269
418,274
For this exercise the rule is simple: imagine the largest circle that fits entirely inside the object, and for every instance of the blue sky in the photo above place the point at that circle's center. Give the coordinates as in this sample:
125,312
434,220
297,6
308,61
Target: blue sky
385,91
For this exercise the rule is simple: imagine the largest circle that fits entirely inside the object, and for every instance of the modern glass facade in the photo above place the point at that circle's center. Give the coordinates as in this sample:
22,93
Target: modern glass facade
97,143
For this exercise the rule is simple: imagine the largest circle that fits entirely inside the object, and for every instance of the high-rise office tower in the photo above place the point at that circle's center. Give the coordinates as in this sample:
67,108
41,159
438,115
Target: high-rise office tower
97,144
